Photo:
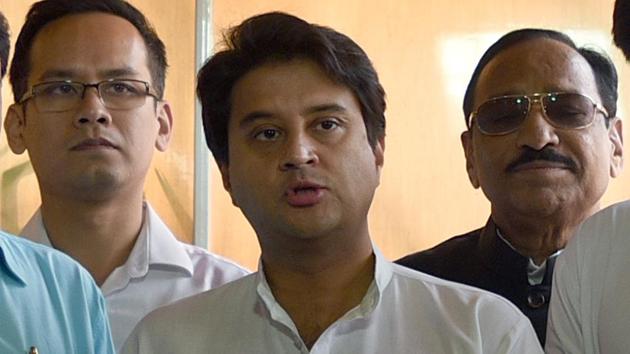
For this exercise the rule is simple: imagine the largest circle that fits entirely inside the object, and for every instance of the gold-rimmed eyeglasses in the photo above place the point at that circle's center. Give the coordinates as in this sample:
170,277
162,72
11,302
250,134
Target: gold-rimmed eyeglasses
565,110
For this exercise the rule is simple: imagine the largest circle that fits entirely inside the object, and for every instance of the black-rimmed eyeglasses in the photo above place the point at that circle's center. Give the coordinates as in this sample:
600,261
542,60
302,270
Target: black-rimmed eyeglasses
61,96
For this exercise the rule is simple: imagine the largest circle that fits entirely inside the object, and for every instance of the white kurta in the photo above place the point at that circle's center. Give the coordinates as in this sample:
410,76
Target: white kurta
403,311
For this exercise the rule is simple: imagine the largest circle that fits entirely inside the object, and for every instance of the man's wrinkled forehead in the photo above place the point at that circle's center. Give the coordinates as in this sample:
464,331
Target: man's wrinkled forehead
536,65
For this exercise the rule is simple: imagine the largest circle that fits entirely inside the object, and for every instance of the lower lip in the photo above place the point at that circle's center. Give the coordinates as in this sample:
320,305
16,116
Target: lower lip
534,167
305,197
92,147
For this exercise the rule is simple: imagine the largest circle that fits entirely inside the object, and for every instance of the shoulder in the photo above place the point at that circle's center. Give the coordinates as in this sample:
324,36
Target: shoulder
200,310
459,307
207,314
208,262
439,290
457,246
43,259
610,223
600,243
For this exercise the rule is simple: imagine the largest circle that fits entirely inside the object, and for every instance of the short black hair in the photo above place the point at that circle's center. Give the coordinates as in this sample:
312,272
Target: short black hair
43,12
621,26
4,45
277,36
603,68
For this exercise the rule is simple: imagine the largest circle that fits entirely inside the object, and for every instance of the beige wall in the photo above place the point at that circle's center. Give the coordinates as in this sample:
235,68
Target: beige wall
424,52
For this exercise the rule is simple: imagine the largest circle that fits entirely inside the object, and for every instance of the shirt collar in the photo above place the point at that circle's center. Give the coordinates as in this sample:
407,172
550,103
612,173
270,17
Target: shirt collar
10,261
164,248
383,273
155,245
535,273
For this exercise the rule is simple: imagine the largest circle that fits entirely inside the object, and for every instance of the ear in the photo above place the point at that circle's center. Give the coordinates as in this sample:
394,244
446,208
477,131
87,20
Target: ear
469,151
379,158
14,125
615,134
165,121
224,168
379,152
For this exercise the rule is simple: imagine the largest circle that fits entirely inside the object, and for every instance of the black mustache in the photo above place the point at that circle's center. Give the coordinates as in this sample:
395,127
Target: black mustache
546,154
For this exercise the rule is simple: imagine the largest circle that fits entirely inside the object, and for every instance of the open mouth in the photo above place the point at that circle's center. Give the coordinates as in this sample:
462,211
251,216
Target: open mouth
304,196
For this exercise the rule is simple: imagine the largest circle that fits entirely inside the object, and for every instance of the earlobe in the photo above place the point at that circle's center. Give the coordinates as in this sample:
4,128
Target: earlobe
469,152
379,152
224,168
14,124
165,122
615,134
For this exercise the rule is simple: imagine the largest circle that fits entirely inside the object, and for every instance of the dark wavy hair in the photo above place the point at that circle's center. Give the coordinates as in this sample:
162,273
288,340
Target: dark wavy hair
278,36
621,26
46,11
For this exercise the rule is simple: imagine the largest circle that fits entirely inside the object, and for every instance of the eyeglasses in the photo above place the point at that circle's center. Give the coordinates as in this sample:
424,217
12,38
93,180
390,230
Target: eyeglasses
61,96
565,110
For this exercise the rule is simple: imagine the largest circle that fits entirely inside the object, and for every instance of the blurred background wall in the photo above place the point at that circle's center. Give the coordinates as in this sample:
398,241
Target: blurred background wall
424,51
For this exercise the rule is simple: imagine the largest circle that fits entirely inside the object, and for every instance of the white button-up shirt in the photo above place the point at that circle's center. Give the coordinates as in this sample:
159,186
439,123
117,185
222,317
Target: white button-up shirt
159,270
403,311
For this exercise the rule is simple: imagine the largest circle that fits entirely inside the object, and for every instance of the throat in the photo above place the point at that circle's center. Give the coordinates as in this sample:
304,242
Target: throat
314,301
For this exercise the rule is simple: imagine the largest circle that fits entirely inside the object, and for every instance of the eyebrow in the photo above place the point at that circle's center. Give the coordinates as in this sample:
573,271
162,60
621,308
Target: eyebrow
69,73
254,116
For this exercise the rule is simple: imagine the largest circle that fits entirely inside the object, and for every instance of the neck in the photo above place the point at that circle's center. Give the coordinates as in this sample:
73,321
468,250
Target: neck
319,284
538,237
99,235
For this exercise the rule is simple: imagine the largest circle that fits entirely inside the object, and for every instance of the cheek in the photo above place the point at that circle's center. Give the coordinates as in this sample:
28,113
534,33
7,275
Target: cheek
593,151
45,138
491,161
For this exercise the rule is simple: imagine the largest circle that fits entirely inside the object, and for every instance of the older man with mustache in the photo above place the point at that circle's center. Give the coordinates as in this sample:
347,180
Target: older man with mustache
542,142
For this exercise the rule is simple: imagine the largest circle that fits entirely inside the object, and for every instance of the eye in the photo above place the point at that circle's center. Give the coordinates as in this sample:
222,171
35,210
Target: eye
328,124
267,134
122,88
57,89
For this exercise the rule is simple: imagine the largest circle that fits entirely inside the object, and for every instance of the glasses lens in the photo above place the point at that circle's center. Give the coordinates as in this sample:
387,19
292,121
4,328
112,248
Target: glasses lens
502,115
123,94
569,110
56,96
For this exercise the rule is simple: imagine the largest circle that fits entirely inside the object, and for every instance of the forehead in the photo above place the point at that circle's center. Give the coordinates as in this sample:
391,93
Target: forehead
537,65
87,47
288,88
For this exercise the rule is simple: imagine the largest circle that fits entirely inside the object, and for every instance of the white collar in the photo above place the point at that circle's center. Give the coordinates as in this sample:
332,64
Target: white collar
155,245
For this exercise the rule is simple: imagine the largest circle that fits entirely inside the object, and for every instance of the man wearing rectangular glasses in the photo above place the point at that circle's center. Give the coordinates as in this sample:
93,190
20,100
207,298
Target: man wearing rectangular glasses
542,142
48,303
88,82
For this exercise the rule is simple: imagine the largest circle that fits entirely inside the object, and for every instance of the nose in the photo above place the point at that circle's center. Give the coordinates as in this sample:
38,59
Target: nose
535,131
299,151
92,109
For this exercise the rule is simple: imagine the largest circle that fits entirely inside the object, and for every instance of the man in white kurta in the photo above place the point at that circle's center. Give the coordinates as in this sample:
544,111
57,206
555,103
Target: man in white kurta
283,100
